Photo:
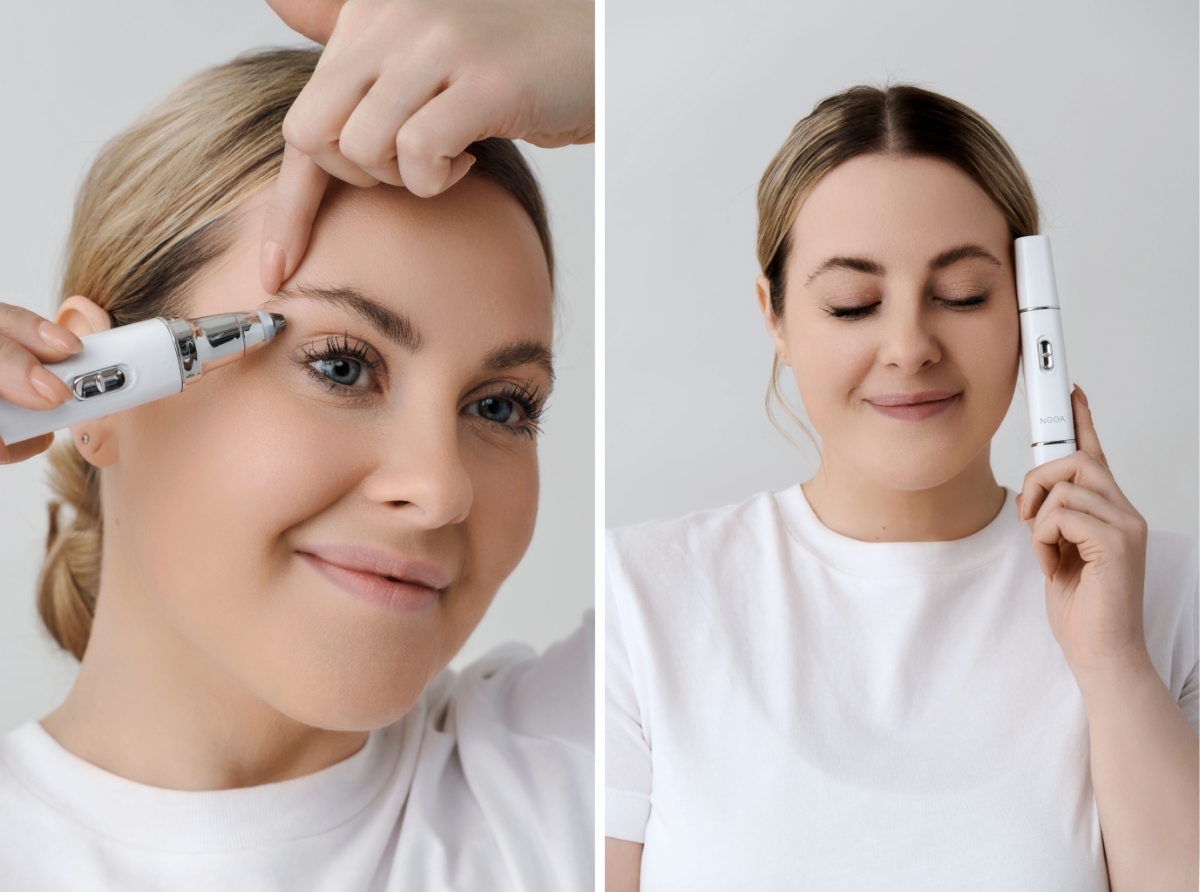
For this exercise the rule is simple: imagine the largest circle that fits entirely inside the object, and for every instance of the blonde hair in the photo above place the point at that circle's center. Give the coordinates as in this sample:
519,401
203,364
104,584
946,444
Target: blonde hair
901,120
153,212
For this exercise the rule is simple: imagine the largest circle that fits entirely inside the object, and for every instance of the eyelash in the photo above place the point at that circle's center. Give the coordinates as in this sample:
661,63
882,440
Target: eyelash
337,348
868,309
527,397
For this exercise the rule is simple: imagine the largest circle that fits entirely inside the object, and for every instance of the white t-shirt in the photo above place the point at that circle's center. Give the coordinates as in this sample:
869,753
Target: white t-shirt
487,784
789,708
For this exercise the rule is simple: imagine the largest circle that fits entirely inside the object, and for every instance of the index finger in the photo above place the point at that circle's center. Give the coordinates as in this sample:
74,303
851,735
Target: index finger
1086,439
289,217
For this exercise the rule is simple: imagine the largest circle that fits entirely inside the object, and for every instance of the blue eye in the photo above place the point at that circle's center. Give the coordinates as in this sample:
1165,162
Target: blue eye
346,372
343,364
494,409
516,409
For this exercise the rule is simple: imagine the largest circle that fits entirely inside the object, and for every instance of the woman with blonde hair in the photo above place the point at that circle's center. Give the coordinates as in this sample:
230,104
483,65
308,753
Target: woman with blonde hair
899,674
265,576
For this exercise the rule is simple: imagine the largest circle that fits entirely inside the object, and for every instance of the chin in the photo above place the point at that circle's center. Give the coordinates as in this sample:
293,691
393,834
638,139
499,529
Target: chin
336,708
349,678
914,468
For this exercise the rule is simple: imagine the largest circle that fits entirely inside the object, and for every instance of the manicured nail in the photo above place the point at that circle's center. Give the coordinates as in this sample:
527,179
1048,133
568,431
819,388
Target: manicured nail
1082,395
59,338
274,262
47,385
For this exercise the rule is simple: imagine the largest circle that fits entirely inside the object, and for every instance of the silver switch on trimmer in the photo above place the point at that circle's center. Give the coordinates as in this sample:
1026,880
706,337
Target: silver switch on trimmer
1045,354
95,384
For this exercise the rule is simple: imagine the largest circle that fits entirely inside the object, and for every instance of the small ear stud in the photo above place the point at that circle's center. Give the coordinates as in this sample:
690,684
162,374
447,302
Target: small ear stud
84,438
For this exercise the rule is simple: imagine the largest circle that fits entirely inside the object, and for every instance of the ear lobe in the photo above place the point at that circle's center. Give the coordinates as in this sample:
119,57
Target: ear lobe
82,316
100,450
762,285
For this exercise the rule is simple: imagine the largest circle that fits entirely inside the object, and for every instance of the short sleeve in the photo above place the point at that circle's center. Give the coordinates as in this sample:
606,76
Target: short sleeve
626,748
524,729
1189,699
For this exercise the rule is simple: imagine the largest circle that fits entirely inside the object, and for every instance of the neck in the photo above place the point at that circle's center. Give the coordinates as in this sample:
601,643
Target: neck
149,706
850,503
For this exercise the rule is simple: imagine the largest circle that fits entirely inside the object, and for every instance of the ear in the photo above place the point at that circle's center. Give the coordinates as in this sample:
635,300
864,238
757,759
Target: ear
762,285
84,317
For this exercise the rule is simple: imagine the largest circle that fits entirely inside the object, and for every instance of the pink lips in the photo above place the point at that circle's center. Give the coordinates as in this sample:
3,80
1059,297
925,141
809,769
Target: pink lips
379,577
916,406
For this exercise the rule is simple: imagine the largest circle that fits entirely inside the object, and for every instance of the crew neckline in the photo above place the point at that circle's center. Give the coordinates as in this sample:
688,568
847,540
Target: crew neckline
891,559
209,820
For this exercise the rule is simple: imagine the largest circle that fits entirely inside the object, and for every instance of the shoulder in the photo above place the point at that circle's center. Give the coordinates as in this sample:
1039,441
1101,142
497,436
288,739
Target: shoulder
513,734
1171,593
1172,559
696,537
1172,575
513,690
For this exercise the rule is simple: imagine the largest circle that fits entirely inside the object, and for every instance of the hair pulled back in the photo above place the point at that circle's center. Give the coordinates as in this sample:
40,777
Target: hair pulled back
153,211
899,120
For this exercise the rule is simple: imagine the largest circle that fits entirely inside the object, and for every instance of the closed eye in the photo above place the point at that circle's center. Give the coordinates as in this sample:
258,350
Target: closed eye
851,312
963,303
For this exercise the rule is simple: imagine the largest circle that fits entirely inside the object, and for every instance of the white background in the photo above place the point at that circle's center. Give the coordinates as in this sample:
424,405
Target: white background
73,75
1099,101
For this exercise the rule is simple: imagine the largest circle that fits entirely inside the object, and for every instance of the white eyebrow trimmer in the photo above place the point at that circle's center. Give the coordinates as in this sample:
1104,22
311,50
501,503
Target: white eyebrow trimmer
1043,356
138,363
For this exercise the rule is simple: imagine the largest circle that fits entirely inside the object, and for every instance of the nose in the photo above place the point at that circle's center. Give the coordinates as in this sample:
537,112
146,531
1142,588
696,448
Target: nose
422,473
908,339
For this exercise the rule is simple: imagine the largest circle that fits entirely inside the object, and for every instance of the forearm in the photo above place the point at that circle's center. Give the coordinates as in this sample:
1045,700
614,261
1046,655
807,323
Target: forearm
1145,777
622,865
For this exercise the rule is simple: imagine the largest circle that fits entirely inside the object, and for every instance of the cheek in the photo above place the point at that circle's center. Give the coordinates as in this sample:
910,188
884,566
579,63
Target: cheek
211,487
829,361
988,354
503,511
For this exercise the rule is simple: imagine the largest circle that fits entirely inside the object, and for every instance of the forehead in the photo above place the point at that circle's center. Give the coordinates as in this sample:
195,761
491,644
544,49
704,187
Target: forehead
469,253
465,266
887,205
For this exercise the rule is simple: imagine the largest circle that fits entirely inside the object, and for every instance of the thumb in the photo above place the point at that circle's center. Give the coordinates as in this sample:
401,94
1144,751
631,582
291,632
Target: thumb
314,19
287,224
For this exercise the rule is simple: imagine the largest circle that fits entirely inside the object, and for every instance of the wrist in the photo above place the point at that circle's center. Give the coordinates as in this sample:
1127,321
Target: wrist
1116,675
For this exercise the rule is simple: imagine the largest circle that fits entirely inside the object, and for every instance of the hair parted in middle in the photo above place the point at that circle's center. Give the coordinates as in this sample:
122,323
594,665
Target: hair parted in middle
900,120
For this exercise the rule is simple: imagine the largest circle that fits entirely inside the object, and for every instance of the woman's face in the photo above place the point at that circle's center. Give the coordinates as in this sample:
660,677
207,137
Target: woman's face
900,318
387,434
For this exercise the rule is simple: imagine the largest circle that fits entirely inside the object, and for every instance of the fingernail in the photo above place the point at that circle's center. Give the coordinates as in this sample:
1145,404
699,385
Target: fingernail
47,385
58,337
274,262
1082,396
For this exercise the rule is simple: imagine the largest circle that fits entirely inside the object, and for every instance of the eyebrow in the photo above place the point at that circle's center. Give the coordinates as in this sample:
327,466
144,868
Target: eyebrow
520,353
399,328
392,325
875,268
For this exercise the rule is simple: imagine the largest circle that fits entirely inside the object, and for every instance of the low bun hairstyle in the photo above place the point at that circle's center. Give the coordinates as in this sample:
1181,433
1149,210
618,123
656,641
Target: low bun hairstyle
153,211
900,120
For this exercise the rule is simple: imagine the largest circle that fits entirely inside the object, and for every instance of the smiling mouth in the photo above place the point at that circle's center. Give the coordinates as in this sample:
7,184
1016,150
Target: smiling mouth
913,406
414,588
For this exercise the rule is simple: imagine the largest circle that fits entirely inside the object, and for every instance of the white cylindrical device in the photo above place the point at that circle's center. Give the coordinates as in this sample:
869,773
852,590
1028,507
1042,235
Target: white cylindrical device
1043,354
138,363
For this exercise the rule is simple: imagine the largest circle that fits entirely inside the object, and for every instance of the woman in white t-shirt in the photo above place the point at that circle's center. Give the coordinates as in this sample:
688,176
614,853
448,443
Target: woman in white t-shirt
265,576
899,675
